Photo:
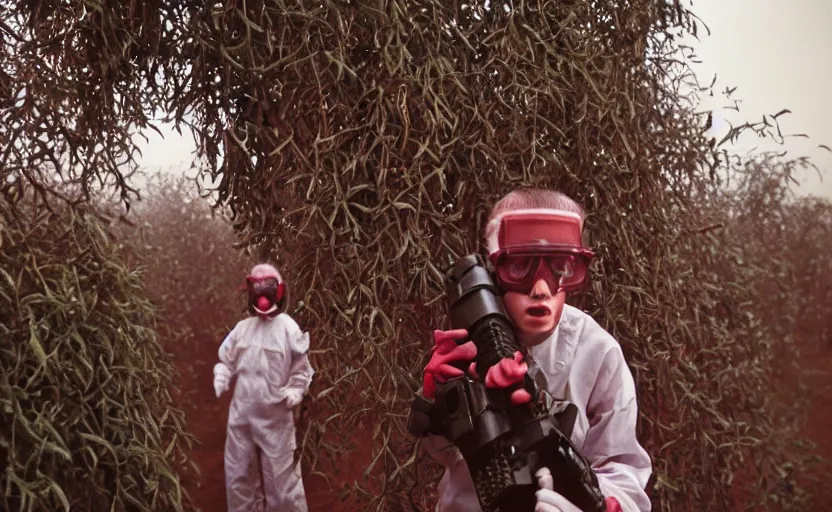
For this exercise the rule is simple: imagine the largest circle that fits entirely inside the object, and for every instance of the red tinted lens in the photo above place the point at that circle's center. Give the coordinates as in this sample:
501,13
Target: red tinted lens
519,273
518,269
560,265
578,276
571,268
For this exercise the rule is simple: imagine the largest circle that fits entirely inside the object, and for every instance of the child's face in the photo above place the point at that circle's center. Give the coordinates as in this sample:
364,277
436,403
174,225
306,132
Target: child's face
536,314
538,256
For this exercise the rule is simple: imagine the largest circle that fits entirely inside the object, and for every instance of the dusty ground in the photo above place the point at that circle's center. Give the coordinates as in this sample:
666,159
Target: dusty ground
818,428
819,425
207,416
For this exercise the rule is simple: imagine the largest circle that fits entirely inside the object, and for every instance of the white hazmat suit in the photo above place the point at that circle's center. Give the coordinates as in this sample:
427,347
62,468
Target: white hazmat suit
269,355
583,363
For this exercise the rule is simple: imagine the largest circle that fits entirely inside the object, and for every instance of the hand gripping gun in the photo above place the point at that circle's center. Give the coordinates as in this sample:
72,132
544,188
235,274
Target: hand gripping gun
503,445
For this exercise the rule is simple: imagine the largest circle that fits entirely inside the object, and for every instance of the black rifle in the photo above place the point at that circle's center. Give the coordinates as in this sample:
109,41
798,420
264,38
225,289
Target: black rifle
503,445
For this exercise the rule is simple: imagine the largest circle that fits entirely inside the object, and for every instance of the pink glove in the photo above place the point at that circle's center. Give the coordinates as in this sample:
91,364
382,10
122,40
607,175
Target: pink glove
507,373
445,351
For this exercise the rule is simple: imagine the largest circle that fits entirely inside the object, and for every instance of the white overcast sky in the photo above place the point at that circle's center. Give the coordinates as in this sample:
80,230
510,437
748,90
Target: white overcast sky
778,53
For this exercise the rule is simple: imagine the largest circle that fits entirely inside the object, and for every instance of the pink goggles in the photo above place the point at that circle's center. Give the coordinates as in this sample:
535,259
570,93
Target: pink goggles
529,245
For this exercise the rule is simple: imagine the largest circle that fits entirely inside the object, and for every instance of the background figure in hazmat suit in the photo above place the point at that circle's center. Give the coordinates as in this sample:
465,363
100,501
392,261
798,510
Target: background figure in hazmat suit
269,354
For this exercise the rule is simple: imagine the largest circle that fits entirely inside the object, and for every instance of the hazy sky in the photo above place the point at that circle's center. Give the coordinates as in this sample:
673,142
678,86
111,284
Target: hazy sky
778,53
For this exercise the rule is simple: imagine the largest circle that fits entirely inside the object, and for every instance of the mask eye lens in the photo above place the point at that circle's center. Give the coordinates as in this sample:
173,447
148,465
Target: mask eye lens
263,285
567,268
570,270
518,268
561,266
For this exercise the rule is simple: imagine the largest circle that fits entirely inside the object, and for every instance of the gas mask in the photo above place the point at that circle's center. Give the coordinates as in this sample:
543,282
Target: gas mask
266,291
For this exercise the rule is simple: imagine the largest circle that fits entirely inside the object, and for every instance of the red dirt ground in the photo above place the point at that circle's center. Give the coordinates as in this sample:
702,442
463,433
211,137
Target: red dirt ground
815,368
818,427
207,418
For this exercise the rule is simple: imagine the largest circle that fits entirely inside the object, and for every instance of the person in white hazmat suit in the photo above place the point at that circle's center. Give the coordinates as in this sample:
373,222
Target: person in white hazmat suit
534,239
269,355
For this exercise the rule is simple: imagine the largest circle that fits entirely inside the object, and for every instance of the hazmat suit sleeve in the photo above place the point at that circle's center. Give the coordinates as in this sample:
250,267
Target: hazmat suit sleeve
300,370
228,353
622,465
224,370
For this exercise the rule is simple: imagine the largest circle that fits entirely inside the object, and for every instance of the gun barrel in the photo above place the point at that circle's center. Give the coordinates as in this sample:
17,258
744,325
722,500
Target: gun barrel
474,304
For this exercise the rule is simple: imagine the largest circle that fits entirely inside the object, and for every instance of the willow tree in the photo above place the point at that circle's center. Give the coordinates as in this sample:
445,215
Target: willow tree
361,143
